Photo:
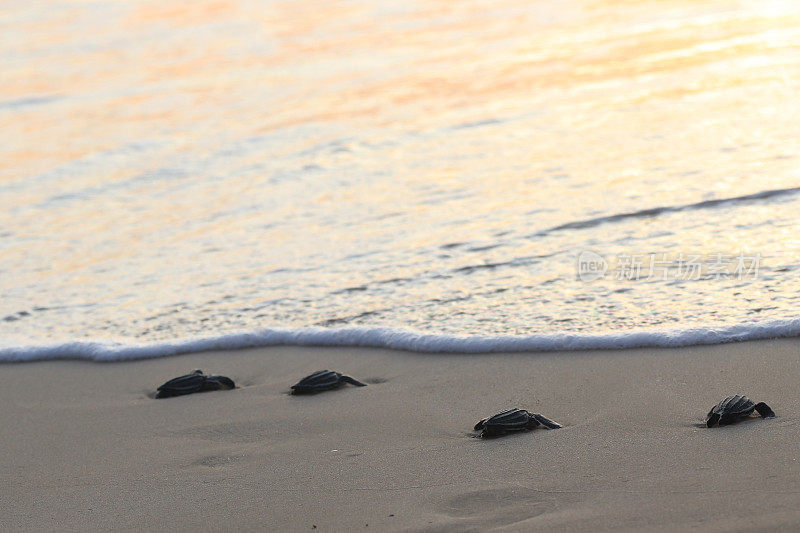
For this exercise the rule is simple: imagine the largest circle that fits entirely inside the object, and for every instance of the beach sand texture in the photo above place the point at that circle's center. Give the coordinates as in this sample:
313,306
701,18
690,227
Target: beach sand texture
84,447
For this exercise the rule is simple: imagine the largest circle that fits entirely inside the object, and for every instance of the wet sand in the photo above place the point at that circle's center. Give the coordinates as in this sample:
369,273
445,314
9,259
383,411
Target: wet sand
83,447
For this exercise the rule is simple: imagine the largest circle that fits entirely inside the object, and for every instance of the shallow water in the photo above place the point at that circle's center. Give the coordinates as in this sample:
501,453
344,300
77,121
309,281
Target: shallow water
198,168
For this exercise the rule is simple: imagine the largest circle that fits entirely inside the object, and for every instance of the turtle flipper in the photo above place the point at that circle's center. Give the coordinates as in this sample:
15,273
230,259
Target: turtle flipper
546,422
764,410
351,381
479,425
213,383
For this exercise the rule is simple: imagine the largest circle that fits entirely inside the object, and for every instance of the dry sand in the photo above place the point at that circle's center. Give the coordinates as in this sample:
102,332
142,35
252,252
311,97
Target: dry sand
84,447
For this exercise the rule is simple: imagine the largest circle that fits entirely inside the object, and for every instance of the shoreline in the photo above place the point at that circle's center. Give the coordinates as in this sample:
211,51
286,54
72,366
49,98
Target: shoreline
85,447
400,339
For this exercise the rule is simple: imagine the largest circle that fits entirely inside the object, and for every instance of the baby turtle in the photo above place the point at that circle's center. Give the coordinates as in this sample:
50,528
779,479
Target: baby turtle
194,382
735,408
512,420
322,380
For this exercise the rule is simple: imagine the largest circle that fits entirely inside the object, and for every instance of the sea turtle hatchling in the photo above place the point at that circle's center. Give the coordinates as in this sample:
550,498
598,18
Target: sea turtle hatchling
194,382
323,380
512,420
735,408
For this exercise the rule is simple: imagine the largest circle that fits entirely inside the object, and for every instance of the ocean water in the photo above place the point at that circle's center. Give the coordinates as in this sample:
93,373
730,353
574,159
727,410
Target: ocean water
463,176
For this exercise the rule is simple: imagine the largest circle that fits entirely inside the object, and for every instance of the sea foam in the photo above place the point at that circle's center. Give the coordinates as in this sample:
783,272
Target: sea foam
399,339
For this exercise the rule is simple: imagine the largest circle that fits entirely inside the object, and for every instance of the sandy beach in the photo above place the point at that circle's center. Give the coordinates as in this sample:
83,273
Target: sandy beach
84,447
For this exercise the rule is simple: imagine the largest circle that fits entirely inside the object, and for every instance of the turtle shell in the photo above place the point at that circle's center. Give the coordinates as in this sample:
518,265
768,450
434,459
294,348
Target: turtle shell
730,410
510,420
318,381
182,385
194,382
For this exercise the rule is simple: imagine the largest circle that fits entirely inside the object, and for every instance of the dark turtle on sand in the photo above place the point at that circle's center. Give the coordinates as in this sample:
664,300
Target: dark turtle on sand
512,420
735,408
322,380
194,382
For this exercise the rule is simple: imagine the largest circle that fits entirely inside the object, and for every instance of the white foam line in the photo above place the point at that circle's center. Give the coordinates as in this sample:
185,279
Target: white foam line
400,339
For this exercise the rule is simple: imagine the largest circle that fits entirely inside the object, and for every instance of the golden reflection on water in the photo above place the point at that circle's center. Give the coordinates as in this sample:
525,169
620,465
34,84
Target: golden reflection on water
612,92
190,68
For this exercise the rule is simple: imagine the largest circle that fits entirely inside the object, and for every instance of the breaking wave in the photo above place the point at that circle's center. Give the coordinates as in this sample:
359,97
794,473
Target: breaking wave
656,211
400,339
